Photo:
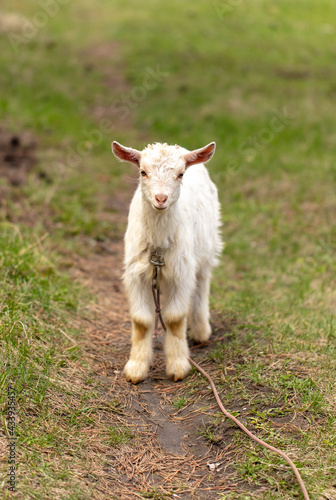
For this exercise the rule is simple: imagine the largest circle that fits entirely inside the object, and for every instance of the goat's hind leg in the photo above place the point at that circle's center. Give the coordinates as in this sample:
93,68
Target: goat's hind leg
198,318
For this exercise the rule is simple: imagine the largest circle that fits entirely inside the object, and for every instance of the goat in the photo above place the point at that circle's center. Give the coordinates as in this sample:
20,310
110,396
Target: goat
174,212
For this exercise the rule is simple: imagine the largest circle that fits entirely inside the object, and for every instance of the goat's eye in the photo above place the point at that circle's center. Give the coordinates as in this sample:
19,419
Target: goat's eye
180,176
143,173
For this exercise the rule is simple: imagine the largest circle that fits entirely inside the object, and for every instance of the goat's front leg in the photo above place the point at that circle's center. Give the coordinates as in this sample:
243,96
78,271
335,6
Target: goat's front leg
142,313
137,367
175,316
176,348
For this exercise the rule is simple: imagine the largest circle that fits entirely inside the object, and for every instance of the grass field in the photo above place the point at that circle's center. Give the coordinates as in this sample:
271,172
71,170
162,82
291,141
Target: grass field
256,77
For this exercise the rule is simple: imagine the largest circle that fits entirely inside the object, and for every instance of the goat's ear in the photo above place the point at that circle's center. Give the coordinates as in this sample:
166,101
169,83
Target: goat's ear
126,154
200,155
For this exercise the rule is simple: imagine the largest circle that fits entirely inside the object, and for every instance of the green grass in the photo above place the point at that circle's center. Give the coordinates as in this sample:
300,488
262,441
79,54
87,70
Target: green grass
119,435
227,75
180,402
39,352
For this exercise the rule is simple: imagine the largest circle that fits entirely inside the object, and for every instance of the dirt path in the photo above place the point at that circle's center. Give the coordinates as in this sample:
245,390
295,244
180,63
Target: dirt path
167,453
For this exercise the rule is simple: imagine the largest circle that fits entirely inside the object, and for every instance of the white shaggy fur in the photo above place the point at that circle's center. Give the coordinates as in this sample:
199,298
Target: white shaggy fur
180,218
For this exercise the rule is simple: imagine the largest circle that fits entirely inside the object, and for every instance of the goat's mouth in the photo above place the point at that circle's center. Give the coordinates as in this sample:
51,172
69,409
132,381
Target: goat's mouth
160,209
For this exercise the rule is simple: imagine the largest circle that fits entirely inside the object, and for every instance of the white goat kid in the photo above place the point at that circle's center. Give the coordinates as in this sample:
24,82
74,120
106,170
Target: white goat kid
175,213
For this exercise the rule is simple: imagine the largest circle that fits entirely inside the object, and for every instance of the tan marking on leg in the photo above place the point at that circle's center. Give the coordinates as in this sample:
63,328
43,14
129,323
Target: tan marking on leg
139,331
177,327
176,349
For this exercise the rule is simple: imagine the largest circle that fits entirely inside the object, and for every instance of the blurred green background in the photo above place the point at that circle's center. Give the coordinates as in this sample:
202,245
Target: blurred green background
256,77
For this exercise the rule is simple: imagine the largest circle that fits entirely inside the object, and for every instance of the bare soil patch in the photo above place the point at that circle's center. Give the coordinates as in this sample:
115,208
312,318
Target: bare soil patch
17,156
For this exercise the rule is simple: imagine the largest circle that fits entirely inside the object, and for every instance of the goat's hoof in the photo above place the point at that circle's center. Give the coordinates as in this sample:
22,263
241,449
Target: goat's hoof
200,335
178,369
135,372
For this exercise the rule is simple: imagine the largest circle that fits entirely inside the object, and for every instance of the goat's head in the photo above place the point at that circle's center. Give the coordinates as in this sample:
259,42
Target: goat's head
161,169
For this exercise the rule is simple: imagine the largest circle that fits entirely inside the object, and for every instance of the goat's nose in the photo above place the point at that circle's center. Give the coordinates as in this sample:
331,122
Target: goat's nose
161,198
